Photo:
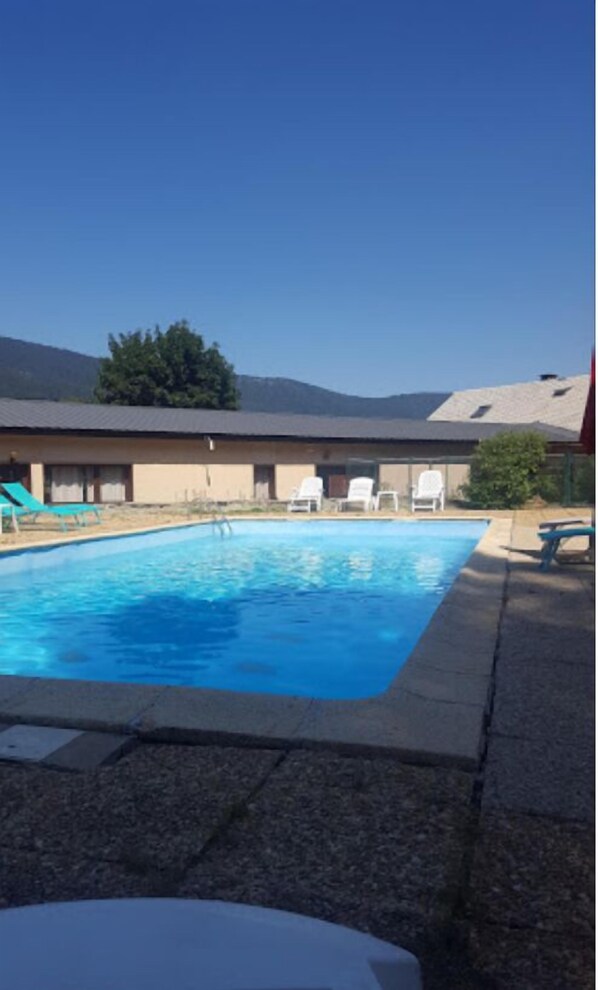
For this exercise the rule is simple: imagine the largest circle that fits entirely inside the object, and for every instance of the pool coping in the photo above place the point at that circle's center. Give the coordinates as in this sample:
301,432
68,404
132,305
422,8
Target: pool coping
433,711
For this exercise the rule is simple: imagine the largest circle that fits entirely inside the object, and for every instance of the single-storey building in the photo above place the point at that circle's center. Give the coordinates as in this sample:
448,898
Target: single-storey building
67,452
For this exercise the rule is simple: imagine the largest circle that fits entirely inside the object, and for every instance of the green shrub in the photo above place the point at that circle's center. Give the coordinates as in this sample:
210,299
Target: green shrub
550,484
505,470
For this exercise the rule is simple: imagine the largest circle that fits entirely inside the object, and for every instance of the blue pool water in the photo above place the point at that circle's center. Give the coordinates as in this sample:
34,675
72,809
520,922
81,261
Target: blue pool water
318,609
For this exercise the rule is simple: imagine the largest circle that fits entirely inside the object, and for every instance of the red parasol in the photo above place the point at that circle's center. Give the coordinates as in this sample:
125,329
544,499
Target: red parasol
587,437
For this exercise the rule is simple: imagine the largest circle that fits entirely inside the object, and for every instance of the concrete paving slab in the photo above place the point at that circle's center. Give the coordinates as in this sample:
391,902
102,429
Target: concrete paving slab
564,582
530,872
189,714
403,723
587,580
531,960
477,591
12,687
529,641
480,580
545,700
547,600
542,777
457,687
485,568
549,606
81,704
453,657
16,788
33,742
28,877
461,624
370,842
92,749
154,809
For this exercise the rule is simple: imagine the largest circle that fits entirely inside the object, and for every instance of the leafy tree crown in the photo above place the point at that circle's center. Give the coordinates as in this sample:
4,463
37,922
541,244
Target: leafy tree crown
173,368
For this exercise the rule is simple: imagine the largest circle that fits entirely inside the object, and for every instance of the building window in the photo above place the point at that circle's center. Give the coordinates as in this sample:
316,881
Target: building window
103,483
480,411
264,483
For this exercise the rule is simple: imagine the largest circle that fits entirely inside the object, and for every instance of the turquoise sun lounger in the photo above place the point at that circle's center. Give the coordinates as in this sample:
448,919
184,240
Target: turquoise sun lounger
14,511
552,541
24,500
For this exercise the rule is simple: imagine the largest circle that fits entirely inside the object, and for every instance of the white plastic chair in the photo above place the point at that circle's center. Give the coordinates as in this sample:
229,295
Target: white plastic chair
428,493
155,943
361,492
309,493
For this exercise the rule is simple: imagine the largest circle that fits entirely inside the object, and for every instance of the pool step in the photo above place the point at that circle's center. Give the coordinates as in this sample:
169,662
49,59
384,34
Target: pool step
64,749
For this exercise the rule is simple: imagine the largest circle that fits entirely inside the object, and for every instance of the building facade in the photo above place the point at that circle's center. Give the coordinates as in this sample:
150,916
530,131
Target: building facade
73,452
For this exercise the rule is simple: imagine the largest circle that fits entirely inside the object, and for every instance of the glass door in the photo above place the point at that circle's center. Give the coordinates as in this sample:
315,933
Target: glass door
112,482
67,483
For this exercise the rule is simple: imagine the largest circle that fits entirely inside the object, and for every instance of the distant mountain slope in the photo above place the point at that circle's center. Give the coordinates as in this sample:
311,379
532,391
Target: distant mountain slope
37,371
285,395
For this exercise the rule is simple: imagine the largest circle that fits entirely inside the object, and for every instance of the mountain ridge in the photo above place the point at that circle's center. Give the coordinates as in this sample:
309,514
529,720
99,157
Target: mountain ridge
43,371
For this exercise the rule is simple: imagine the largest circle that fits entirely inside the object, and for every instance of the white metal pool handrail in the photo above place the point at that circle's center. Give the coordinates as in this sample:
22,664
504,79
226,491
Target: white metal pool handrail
223,522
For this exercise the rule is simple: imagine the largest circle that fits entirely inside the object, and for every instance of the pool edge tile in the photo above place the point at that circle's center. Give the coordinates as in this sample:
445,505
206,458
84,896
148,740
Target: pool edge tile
12,688
96,705
186,713
408,726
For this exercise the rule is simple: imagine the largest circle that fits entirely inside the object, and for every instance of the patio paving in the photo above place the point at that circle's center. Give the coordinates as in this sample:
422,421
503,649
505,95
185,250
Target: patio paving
485,875
529,899
372,843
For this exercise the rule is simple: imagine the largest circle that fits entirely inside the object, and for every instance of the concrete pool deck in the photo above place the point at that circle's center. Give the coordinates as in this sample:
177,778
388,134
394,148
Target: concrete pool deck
485,874
432,712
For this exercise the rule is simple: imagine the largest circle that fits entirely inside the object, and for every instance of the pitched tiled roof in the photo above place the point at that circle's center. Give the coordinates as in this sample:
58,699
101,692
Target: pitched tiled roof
556,402
27,415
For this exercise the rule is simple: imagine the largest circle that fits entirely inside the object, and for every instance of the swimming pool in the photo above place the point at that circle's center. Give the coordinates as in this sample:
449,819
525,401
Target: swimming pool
314,609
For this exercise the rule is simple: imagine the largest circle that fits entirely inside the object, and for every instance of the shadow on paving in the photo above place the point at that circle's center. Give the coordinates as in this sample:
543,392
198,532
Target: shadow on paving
368,843
528,904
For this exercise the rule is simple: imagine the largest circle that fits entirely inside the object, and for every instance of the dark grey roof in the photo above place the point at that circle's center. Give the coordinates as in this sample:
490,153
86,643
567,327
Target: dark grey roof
29,415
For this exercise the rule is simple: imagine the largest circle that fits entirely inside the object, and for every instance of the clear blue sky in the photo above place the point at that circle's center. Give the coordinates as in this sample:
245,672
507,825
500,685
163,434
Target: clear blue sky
376,196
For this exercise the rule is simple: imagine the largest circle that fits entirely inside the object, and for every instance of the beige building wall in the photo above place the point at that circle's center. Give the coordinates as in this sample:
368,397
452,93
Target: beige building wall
395,478
156,483
228,482
174,470
290,476
456,475
37,481
160,483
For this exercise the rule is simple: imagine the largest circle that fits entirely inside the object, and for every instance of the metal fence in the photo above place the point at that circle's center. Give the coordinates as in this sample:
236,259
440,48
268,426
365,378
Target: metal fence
400,473
567,479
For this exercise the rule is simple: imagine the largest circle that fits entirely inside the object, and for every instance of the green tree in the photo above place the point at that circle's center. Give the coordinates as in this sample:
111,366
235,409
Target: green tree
505,470
171,369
